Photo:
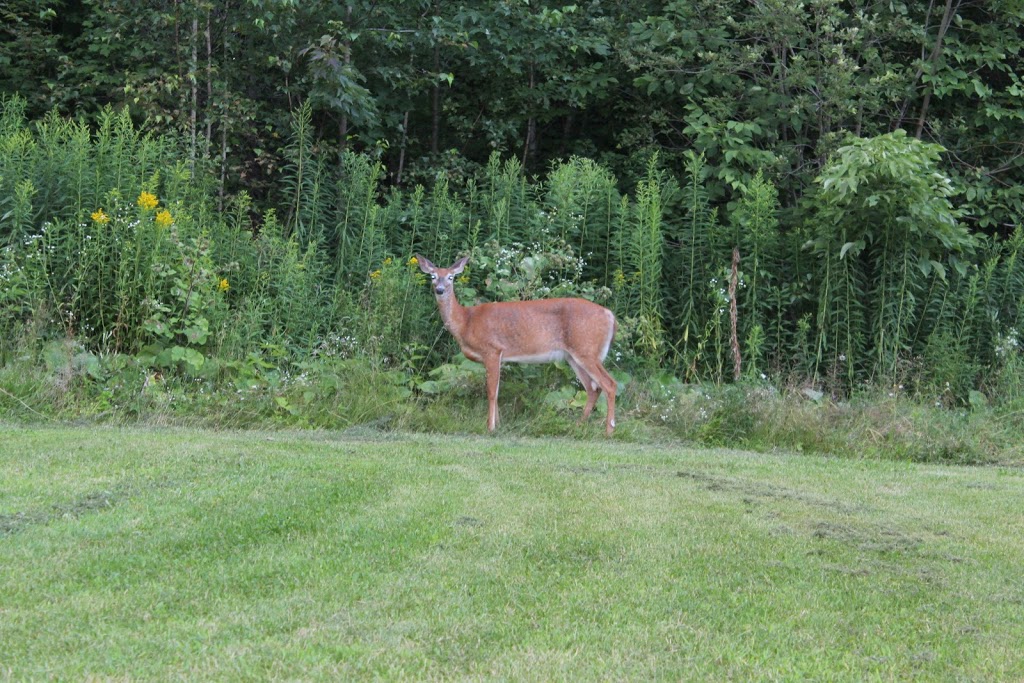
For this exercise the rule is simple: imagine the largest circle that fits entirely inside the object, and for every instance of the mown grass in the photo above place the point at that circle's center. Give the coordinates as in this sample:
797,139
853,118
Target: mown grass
169,554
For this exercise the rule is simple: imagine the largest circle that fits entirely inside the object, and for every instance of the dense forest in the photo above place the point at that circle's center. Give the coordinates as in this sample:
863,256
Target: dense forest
427,86
830,190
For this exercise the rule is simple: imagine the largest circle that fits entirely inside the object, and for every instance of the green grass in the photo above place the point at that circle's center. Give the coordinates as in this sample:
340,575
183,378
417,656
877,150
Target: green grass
201,555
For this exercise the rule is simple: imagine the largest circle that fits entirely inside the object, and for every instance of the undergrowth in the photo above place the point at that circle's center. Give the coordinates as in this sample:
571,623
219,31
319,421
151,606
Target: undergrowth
868,325
62,383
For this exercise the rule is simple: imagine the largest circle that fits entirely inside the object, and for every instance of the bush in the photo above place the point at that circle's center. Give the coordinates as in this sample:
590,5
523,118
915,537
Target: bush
128,290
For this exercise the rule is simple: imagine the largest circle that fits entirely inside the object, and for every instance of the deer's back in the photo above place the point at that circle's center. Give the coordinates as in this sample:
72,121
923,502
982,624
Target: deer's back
541,330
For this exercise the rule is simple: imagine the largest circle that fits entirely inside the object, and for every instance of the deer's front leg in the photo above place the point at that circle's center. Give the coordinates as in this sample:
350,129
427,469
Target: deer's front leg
492,364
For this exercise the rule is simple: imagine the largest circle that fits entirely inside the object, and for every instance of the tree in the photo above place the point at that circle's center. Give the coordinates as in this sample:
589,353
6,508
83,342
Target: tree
885,226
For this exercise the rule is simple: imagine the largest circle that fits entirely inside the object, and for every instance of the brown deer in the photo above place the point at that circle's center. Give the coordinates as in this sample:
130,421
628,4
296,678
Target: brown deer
577,331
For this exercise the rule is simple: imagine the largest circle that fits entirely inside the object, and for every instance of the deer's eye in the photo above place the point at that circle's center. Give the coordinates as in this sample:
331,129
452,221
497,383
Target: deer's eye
433,276
451,276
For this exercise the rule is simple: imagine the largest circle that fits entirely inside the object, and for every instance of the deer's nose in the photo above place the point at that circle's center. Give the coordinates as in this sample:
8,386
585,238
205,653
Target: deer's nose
439,290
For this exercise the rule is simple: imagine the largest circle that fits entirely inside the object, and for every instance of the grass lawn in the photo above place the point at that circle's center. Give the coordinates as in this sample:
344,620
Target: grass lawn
200,555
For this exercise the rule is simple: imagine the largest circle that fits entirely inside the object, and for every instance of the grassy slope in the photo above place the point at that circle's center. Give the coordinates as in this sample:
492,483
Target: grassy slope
211,555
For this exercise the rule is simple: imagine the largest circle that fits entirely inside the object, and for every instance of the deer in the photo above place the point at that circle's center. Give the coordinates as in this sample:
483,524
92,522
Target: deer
577,331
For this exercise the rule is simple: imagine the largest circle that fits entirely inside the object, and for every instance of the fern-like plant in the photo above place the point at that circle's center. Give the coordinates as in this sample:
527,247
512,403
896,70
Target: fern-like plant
643,260
885,225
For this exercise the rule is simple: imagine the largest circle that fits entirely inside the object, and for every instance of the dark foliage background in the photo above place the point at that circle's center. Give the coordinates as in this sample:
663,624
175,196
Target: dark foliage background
427,86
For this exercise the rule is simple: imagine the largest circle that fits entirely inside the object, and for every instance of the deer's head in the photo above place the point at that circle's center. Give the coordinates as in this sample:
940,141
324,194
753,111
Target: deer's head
443,278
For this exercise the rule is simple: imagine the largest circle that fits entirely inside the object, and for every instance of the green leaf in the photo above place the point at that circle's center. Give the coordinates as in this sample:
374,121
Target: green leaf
977,400
858,246
190,357
813,394
198,332
432,387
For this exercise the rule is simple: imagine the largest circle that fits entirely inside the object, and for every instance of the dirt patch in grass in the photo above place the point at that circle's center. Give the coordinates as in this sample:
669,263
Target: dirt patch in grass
833,524
868,539
95,501
755,490
613,468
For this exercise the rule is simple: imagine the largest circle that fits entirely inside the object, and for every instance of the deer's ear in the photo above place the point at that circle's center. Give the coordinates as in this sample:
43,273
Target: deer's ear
459,265
425,265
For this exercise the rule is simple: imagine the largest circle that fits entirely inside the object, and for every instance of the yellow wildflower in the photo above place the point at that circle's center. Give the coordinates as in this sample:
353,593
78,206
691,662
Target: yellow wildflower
464,280
374,275
99,217
387,261
414,261
223,284
164,218
147,201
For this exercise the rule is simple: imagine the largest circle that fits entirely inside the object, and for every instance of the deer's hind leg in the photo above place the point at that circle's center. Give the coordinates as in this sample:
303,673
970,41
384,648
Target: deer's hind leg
591,386
601,380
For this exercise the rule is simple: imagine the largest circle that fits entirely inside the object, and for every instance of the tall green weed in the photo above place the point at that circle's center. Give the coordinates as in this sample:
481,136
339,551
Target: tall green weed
108,240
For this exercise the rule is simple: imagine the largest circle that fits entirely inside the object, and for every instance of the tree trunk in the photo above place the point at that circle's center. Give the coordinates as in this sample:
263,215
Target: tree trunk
224,126
346,51
401,151
193,69
531,125
435,105
737,361
933,60
209,88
